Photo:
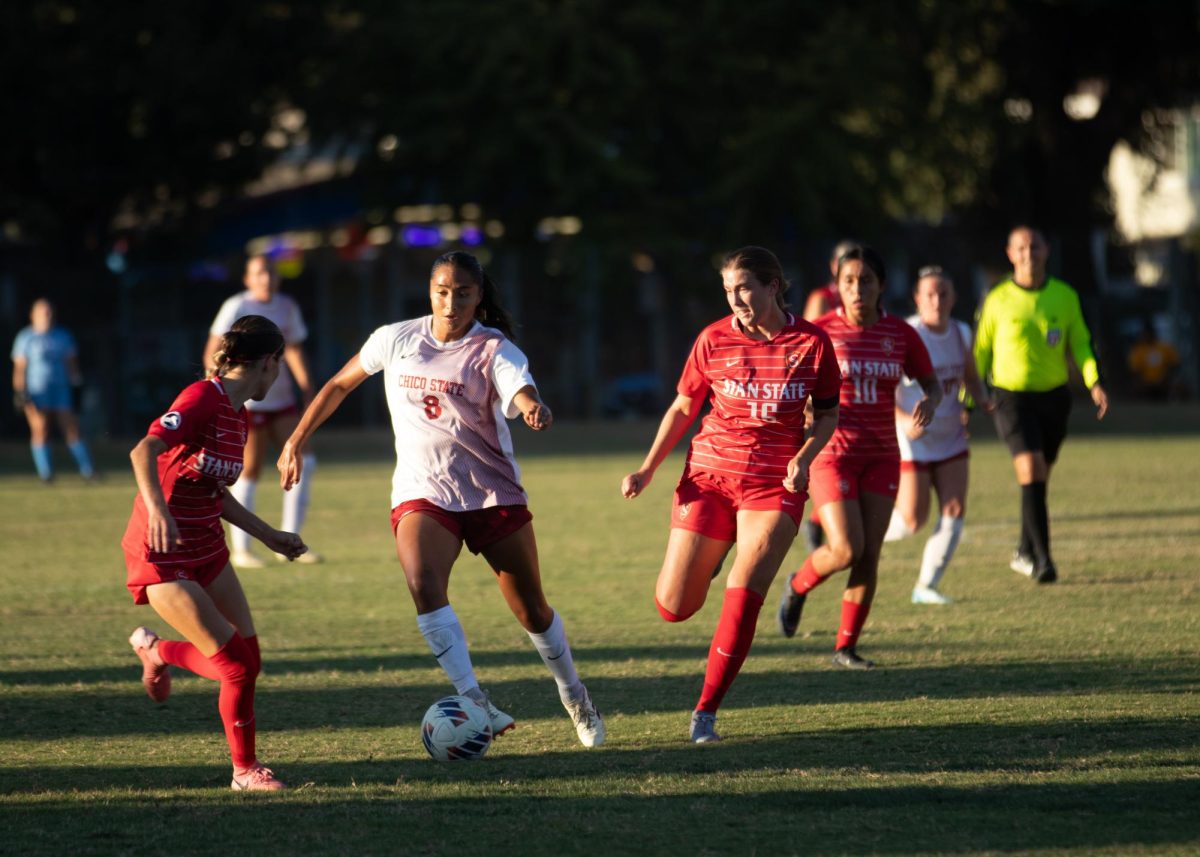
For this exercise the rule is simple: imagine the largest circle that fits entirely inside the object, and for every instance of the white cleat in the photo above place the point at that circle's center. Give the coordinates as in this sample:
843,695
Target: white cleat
703,728
1021,564
246,559
926,595
501,722
589,725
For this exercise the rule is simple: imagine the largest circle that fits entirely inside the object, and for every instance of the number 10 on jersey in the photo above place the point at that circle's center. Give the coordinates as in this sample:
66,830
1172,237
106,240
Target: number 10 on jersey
866,390
765,411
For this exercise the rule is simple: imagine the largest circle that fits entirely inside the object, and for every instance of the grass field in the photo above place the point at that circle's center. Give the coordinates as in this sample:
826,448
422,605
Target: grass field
1021,719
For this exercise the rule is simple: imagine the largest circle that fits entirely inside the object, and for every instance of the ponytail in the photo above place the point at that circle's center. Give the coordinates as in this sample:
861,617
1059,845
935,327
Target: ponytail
251,338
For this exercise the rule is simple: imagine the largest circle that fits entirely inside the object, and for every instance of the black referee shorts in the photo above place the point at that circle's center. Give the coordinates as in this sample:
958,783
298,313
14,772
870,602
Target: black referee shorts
1033,421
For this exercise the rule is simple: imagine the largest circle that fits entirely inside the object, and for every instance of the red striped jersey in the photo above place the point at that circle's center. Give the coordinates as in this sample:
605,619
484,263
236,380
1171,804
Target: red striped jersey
872,361
757,389
205,438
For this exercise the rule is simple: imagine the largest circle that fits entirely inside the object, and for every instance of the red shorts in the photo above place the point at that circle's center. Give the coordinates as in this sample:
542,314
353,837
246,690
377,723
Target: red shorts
708,504
913,466
845,477
141,573
479,528
261,419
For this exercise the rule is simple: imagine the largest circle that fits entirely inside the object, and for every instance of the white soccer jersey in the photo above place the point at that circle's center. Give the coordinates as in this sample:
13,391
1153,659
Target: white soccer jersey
945,437
285,312
449,402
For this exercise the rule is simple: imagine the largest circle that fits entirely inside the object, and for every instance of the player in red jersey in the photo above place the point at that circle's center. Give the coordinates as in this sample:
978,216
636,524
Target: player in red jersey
175,549
747,471
855,477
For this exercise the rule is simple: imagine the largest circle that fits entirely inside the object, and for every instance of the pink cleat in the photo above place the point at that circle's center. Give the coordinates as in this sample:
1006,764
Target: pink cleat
256,778
156,678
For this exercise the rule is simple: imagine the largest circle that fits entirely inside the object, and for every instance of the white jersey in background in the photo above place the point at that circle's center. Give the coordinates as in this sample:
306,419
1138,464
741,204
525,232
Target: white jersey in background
449,402
285,312
945,437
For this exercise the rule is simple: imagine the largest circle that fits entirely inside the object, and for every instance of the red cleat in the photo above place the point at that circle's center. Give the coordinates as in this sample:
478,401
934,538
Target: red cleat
156,678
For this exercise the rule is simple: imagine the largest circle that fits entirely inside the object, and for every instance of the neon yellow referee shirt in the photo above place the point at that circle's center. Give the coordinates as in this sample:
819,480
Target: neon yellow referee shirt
1024,334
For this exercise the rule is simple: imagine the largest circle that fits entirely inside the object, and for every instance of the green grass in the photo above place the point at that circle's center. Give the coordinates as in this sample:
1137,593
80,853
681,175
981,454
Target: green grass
1019,720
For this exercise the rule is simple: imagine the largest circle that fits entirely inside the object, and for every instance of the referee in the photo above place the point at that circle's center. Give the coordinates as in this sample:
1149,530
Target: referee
1026,326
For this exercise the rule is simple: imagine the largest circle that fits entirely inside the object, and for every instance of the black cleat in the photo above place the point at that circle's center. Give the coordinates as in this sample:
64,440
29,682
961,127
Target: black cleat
849,659
790,608
1046,573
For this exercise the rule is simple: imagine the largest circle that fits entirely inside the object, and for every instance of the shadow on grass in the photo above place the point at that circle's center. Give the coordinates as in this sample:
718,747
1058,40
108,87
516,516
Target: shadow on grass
486,806
347,701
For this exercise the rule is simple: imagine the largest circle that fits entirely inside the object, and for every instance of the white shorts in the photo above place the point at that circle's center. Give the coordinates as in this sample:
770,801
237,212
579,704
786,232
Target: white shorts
933,446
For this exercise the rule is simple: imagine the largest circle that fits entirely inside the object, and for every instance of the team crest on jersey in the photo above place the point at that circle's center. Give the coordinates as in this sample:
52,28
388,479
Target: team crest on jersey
793,359
886,345
171,420
684,510
1053,335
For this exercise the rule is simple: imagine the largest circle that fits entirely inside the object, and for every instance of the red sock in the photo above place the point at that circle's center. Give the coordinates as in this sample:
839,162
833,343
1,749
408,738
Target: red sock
854,616
730,645
235,666
806,578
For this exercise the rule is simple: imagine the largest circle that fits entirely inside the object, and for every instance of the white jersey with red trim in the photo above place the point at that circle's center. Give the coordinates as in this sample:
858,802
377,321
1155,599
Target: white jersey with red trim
946,436
205,439
758,389
449,402
285,312
872,361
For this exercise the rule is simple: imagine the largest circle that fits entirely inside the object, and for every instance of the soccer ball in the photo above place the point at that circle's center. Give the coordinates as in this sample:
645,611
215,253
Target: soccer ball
456,728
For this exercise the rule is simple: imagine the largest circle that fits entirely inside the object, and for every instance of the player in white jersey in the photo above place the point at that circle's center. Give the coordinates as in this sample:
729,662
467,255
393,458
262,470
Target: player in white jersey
936,455
452,379
275,417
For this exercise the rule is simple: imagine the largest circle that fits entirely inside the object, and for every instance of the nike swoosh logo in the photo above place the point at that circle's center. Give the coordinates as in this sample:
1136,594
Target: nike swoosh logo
721,651
443,651
731,362
556,657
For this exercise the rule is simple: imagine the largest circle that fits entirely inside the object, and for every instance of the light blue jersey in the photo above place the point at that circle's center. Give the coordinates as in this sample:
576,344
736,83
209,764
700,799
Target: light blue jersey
45,356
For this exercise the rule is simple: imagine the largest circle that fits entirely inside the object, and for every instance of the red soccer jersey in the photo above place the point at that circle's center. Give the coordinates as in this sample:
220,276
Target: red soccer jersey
872,361
757,390
205,438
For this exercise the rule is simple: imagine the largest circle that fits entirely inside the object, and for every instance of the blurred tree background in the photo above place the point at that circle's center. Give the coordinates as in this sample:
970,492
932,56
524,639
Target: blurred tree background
599,155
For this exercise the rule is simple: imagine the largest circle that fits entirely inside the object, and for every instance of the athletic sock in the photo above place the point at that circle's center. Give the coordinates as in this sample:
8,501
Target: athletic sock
898,528
235,666
295,502
939,549
41,460
243,491
79,451
730,645
448,642
854,616
1036,521
806,579
552,645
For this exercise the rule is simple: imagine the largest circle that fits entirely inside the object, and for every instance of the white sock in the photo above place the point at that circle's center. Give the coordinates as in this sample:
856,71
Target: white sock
897,529
448,642
295,502
552,645
243,491
938,551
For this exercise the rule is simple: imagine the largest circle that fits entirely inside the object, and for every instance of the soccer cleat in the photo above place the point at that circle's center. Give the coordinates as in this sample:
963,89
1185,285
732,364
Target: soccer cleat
1021,564
309,557
703,729
256,778
589,725
156,678
928,595
790,608
849,659
1046,574
501,722
246,559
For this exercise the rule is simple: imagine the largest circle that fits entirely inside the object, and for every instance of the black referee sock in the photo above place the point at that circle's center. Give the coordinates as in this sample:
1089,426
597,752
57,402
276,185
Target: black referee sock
1035,523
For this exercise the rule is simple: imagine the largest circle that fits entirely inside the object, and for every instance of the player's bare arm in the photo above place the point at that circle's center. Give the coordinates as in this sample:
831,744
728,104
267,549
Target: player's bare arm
823,425
681,413
534,411
323,405
1100,400
210,348
923,411
288,544
293,355
162,533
